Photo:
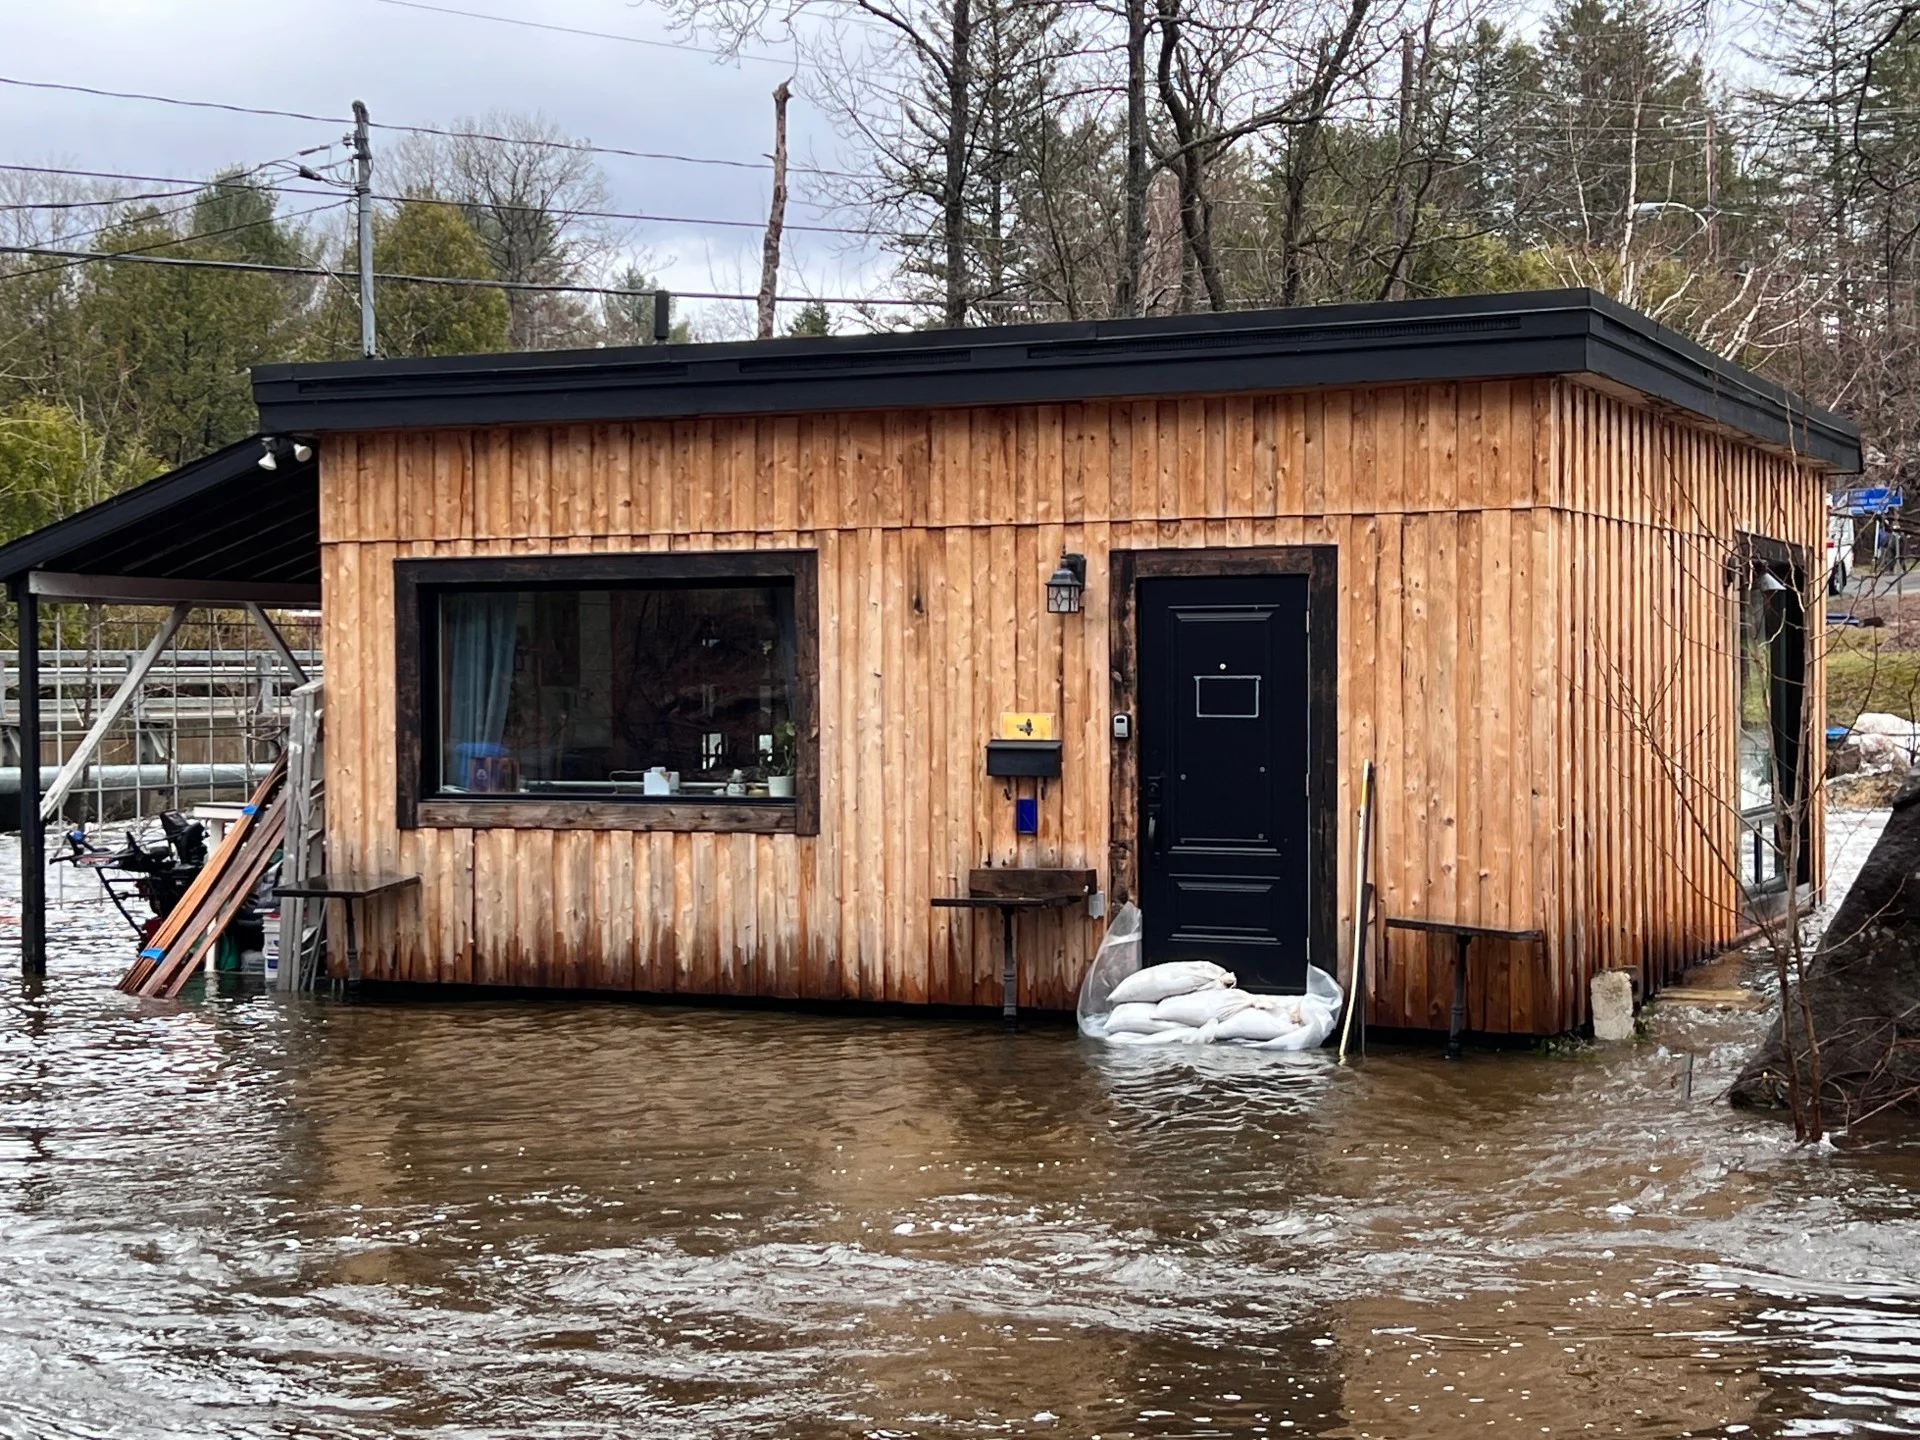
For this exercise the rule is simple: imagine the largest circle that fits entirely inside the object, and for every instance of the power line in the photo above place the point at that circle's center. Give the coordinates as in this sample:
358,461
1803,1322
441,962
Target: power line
171,100
71,258
633,215
578,146
789,64
94,204
472,282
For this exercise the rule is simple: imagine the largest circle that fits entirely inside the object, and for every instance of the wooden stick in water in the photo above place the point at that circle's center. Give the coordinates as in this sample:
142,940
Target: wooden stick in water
1356,975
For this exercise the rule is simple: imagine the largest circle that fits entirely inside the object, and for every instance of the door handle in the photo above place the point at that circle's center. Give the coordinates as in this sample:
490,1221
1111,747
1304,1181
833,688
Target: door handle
1153,812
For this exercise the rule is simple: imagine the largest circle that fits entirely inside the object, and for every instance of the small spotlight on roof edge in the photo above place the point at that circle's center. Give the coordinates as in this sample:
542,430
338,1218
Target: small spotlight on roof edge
267,461
302,452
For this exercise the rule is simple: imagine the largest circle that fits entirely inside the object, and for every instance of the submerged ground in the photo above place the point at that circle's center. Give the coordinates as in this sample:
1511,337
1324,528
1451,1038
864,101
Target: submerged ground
246,1217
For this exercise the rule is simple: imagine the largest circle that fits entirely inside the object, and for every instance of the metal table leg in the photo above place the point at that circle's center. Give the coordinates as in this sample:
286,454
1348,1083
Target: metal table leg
1009,985
353,946
1458,1024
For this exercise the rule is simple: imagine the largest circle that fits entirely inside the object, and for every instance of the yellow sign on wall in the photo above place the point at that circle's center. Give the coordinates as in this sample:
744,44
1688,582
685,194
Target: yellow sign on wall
1025,725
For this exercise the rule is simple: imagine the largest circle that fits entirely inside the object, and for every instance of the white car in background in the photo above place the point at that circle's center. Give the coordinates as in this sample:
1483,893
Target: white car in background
1839,552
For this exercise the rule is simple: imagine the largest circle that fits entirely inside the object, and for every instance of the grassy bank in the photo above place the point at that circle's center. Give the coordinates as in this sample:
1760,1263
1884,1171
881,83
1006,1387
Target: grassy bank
1867,671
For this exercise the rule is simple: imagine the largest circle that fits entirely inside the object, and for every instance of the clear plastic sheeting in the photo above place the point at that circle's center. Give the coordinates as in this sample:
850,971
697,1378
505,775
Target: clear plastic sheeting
1194,1002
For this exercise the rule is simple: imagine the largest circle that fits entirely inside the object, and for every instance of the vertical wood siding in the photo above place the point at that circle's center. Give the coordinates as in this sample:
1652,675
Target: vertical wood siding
1504,549
1650,873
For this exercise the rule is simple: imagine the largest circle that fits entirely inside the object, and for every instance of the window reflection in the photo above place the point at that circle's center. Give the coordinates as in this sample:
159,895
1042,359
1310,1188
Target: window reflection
647,691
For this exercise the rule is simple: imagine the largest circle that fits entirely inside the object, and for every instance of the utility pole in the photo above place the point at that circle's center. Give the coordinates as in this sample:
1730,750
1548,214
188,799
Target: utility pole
1713,198
1402,193
33,830
776,216
363,202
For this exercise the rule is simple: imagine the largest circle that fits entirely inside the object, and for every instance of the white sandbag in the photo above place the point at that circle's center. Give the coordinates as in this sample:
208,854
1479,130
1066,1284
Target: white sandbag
1172,1035
1138,1018
1197,1007
1877,751
1877,722
1259,1023
1286,1022
1176,977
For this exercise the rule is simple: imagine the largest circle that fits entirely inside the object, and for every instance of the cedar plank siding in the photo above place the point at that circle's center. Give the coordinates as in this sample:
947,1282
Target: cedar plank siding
1522,566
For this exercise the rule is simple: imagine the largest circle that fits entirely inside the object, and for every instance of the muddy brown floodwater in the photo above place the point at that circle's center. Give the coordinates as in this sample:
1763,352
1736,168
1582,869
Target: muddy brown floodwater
241,1216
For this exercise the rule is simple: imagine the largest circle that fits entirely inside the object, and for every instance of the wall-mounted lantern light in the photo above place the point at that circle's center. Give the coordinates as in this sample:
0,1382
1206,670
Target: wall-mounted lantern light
1066,583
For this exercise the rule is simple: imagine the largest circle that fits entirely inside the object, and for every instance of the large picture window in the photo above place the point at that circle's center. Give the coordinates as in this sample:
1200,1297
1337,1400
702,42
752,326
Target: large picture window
644,691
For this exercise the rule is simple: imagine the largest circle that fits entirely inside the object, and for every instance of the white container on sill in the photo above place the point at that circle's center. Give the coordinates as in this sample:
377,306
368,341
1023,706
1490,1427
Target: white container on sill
780,787
655,782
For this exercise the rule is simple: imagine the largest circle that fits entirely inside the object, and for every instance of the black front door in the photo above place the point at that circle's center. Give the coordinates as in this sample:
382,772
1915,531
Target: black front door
1224,771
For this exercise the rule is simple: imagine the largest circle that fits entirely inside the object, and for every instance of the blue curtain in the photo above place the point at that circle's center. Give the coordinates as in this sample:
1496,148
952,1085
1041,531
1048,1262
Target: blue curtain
477,636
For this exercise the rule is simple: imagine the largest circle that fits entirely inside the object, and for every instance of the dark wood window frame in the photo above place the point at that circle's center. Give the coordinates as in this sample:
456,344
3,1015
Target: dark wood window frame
1794,740
1320,564
418,583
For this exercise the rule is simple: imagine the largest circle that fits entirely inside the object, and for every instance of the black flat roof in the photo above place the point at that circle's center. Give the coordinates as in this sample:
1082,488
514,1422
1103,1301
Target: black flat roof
1539,333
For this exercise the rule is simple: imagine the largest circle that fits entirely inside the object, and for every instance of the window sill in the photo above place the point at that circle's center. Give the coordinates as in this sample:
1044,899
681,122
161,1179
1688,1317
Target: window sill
763,817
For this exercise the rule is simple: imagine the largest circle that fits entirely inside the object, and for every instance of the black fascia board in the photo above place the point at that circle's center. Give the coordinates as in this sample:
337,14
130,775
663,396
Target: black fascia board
152,519
1528,335
1633,350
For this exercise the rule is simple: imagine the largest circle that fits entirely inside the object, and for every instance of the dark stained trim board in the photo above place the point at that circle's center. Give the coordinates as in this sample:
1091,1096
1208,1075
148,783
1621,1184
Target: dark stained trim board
417,581
1320,564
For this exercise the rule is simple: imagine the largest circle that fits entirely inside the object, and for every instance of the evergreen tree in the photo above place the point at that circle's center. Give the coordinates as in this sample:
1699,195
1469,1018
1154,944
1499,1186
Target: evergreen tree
627,318
419,237
167,348
813,319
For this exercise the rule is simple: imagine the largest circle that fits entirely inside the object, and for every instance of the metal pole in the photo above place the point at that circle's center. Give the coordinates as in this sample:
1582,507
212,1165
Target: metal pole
33,839
74,766
1009,977
279,643
363,203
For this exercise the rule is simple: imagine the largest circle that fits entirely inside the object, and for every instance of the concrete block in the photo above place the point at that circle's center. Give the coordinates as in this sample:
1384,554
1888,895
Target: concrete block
1613,1005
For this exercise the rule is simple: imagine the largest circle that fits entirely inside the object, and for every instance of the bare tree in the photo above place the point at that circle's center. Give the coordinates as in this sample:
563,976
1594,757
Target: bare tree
530,193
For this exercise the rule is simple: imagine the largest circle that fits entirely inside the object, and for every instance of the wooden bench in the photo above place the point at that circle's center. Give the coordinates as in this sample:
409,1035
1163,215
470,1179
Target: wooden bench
349,890
1464,935
1011,889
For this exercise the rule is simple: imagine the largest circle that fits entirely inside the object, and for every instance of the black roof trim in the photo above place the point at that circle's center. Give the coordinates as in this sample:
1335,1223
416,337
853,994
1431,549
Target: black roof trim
219,518
1557,332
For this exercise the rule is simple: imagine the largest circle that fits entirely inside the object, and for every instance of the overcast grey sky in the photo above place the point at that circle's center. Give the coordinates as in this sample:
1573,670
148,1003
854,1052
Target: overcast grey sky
413,66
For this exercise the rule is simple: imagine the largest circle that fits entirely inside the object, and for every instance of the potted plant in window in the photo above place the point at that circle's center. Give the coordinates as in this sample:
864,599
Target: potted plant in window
780,763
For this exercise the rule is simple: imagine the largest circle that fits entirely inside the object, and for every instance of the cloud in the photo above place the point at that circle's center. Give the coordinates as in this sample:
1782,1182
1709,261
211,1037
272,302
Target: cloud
417,67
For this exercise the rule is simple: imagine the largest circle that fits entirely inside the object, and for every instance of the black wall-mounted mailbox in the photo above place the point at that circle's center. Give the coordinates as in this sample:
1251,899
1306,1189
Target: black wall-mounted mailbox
1023,757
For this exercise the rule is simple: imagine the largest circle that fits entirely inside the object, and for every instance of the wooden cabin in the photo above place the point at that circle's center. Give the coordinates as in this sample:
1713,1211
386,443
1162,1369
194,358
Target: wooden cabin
683,669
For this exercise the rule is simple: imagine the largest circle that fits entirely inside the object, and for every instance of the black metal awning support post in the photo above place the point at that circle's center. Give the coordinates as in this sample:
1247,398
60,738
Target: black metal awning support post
33,835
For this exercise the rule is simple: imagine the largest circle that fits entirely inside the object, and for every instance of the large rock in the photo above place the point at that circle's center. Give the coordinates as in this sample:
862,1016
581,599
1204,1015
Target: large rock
1862,989
1613,1005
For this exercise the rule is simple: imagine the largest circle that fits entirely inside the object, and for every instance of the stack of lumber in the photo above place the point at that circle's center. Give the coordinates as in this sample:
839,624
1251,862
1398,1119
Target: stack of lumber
306,828
184,940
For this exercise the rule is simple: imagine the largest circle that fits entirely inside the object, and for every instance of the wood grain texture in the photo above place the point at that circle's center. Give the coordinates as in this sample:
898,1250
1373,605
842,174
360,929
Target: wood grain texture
1536,647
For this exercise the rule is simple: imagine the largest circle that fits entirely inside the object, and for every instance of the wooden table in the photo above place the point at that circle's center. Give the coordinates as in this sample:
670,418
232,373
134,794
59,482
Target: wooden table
1464,935
1009,890
347,889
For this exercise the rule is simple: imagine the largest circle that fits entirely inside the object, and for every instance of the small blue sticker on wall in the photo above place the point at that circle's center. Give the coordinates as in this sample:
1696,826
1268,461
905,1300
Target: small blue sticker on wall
1026,816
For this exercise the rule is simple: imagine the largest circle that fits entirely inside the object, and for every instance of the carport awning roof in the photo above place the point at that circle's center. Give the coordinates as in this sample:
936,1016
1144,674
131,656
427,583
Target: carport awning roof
220,530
